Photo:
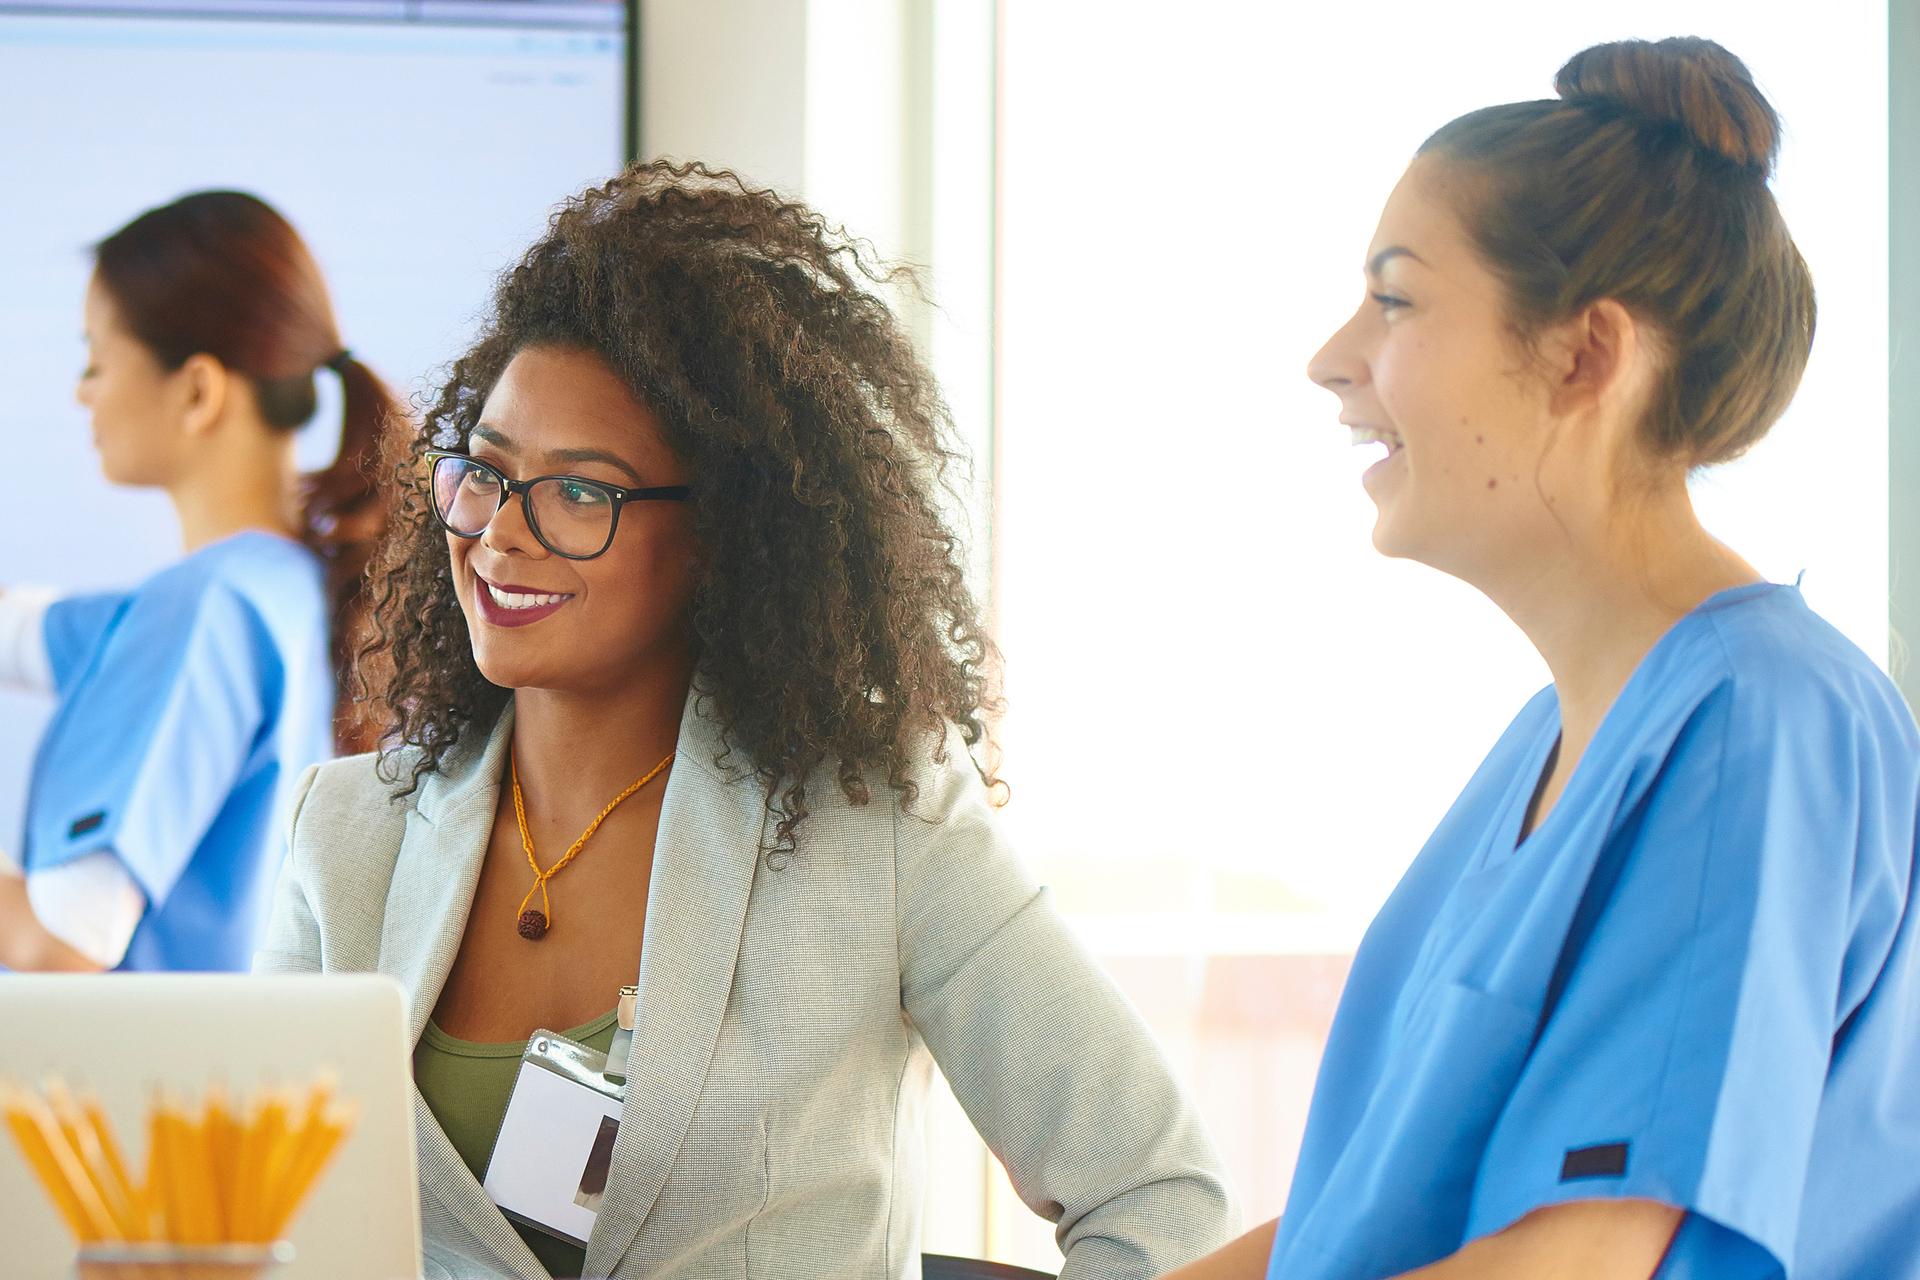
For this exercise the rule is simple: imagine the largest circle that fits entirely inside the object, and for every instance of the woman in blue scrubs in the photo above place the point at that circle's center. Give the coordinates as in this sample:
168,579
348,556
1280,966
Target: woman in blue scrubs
189,704
1648,1002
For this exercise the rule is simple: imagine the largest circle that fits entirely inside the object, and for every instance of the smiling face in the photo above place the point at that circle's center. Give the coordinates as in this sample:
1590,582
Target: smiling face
539,620
1429,366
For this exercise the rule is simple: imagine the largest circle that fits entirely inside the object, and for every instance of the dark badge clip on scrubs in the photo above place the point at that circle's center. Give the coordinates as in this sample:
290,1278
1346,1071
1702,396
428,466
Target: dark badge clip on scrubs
549,1164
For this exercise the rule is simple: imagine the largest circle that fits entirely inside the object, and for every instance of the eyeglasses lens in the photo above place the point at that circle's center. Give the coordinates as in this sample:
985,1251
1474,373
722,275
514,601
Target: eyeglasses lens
574,517
466,495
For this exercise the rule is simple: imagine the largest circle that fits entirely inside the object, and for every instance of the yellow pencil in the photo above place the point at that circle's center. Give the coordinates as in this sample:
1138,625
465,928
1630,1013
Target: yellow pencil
110,1149
38,1134
187,1218
197,1165
317,1148
224,1135
156,1189
33,1146
85,1144
282,1144
257,1150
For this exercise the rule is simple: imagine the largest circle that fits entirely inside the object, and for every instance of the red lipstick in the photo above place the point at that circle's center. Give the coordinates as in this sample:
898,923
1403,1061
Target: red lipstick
496,614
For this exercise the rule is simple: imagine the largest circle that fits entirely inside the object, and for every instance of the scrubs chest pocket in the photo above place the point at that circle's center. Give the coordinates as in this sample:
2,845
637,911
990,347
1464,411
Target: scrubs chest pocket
1464,1051
1428,1124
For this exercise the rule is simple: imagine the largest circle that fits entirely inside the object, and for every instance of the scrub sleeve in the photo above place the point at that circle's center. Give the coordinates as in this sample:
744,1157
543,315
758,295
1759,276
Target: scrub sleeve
156,727
1683,1057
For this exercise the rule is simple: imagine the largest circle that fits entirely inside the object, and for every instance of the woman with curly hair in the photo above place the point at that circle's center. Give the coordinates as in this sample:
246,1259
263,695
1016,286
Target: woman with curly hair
687,680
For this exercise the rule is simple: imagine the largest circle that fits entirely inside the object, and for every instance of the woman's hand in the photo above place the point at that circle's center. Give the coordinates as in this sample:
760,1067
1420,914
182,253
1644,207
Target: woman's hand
25,944
1244,1259
1582,1240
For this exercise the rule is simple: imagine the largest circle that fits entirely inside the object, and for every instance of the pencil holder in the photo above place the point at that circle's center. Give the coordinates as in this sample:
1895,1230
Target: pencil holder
180,1261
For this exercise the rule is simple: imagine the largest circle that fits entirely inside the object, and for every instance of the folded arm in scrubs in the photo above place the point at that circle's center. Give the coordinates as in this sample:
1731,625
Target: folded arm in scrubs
82,914
1580,1240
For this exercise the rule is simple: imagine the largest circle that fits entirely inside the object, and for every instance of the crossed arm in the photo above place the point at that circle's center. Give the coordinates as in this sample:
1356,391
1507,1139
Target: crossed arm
26,944
1582,1240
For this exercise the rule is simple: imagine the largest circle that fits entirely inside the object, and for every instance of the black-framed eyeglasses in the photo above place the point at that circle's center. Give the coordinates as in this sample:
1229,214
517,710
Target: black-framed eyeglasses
571,517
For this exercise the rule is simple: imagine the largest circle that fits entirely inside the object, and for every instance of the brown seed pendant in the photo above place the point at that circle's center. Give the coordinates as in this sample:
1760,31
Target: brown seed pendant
534,922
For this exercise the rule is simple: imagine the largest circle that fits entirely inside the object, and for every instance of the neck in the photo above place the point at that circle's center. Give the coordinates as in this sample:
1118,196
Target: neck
246,481
581,749
1615,584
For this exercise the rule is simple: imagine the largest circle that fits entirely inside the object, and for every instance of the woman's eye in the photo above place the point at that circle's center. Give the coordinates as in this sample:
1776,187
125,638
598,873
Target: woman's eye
481,482
582,495
1388,302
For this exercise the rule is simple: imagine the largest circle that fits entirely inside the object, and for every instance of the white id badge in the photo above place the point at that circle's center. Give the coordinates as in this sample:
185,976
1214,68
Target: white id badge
549,1164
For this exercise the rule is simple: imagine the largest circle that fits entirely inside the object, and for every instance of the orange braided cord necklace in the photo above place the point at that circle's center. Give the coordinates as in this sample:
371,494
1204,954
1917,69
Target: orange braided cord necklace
533,924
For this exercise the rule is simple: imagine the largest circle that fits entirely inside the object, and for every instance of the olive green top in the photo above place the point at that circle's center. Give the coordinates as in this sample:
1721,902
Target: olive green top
466,1084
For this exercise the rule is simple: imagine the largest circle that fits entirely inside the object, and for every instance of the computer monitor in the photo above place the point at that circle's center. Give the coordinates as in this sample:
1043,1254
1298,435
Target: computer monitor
417,145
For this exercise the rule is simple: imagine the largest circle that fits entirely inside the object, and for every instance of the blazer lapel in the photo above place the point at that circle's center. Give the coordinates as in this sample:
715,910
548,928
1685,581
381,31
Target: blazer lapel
708,847
426,915
437,871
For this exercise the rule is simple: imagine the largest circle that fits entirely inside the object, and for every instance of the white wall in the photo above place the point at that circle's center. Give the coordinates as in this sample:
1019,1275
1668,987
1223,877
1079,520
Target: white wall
416,161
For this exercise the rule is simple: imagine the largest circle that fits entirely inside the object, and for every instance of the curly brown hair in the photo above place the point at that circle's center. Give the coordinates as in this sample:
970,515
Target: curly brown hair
833,621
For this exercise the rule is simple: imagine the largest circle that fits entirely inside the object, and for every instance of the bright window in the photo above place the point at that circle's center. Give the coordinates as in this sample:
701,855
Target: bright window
1233,724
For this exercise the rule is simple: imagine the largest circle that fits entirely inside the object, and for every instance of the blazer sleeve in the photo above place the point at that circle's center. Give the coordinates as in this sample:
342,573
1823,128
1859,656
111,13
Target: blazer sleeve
344,832
292,942
1051,1063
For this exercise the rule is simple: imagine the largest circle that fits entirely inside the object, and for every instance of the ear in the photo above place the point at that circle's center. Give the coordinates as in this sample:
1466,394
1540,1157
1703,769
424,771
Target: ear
206,385
1600,357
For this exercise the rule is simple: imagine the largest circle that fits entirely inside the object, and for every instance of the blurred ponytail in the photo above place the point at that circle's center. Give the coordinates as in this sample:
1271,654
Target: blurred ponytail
343,516
221,273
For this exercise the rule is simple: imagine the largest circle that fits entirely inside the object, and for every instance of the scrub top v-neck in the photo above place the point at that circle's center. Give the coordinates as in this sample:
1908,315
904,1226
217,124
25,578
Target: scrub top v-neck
1693,982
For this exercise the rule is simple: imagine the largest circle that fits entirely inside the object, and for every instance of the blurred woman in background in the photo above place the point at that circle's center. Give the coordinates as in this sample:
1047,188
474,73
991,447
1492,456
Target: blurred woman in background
1646,1001
188,704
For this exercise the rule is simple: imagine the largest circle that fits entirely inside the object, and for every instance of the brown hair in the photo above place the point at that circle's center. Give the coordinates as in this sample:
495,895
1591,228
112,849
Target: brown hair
833,621
221,273
1646,182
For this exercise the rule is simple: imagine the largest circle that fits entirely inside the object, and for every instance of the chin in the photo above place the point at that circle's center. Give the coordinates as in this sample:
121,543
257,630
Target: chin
116,472
1391,538
507,669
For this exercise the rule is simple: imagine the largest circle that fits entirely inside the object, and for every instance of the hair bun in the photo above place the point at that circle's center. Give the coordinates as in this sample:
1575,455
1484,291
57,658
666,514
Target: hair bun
1693,82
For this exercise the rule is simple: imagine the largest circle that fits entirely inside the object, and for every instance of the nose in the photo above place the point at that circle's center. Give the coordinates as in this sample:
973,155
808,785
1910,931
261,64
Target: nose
1340,364
508,531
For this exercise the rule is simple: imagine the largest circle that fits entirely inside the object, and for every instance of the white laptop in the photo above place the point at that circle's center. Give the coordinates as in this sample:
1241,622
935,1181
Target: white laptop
123,1033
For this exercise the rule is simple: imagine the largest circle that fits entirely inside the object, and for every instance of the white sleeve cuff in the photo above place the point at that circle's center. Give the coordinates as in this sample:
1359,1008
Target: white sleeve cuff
91,903
24,662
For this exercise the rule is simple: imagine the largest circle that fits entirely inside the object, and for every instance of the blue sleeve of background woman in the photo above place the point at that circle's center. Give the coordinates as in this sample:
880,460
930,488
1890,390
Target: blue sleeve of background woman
154,733
74,628
1751,924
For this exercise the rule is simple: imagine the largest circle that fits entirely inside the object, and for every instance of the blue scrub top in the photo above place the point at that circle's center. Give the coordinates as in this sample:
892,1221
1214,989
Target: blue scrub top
1696,982
186,709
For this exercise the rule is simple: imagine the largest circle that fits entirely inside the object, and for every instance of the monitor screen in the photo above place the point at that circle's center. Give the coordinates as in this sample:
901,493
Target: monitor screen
417,145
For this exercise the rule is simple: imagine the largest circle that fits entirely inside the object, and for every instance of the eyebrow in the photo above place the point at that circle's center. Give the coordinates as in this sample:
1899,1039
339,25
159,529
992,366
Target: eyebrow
1388,254
501,442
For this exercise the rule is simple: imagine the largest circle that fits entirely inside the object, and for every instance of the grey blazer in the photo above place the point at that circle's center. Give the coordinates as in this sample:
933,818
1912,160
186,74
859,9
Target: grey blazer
788,1023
